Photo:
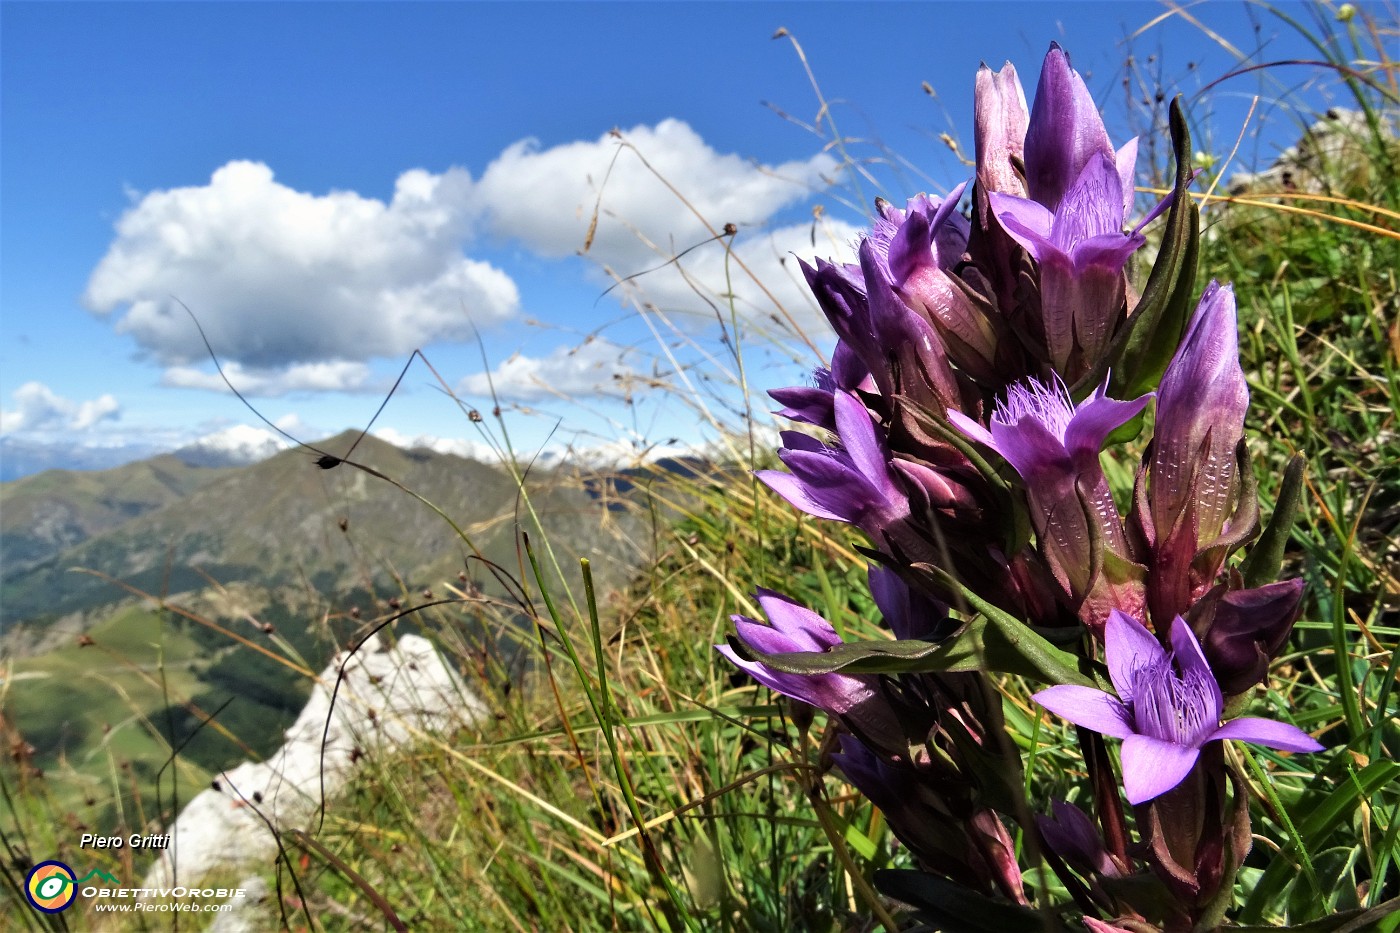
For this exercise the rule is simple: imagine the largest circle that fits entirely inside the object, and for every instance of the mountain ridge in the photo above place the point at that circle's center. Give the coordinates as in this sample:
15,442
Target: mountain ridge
160,524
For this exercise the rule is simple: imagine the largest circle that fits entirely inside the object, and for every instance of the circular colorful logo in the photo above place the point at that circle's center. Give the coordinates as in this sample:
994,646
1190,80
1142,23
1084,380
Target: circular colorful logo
50,887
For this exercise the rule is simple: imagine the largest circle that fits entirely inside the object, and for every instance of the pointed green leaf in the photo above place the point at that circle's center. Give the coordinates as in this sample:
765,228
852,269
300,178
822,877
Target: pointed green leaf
1010,646
1146,342
906,656
1265,558
996,642
1346,921
954,908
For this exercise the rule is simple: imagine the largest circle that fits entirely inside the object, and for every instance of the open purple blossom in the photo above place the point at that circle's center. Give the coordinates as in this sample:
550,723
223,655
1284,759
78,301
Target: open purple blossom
1082,250
855,480
917,248
856,700
814,404
1168,706
1038,429
942,233
883,333
1054,446
796,628
849,483
843,482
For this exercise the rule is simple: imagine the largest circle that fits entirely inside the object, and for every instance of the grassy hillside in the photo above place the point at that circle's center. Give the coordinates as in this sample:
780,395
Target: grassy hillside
52,511
253,577
283,521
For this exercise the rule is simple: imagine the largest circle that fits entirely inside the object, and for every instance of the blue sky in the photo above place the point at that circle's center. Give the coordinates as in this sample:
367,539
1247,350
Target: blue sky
327,186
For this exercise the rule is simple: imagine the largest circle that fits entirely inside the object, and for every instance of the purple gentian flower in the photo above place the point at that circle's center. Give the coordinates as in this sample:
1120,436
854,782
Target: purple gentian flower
1168,707
1000,117
916,248
939,241
1066,133
1054,446
1038,429
1194,484
929,811
808,404
840,293
1249,627
851,483
909,614
855,699
1200,419
796,628
814,404
882,331
1071,835
904,337
999,124
1082,251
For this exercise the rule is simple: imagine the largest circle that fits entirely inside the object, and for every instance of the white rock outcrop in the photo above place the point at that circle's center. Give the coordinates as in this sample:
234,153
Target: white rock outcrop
1334,146
389,696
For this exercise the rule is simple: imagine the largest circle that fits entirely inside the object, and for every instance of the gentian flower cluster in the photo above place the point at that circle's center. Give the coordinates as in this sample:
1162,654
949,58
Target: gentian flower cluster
984,366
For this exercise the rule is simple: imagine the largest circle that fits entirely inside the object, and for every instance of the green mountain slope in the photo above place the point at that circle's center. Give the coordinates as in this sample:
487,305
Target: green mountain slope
98,680
287,521
45,514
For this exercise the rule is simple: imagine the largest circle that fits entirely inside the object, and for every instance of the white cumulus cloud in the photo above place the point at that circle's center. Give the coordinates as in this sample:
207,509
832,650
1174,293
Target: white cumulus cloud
460,446
294,425
546,197
278,276
594,368
298,291
335,376
760,275
39,408
649,211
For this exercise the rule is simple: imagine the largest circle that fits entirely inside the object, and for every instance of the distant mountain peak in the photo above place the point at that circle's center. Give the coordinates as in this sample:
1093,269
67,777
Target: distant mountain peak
239,445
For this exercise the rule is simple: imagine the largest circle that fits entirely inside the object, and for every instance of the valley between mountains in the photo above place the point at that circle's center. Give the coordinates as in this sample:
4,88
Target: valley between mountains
137,601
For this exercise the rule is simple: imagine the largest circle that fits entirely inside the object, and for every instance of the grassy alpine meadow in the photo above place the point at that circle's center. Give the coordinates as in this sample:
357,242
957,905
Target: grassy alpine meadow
630,777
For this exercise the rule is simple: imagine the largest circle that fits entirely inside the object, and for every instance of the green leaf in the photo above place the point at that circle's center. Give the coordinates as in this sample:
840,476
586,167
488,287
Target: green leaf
906,656
859,842
984,644
996,643
955,909
1327,813
1337,871
1347,921
1010,646
1265,558
1148,340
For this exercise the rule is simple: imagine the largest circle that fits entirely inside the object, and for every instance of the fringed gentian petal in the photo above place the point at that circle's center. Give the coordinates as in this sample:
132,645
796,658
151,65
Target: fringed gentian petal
1170,709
